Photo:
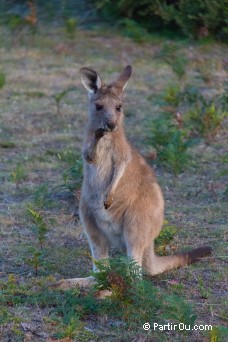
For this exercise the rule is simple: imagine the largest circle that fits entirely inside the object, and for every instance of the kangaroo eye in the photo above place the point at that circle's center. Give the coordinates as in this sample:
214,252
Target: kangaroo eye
99,107
118,108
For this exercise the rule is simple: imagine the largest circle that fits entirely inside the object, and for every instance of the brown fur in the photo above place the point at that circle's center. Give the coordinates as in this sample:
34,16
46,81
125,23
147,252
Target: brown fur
121,202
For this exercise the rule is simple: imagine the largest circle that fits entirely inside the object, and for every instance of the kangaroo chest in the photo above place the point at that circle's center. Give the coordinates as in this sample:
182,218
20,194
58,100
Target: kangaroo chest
95,186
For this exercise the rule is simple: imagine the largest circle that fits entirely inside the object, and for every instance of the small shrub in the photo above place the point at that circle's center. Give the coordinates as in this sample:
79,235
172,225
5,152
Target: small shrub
171,144
72,177
206,119
165,237
205,291
2,79
135,299
39,226
133,30
36,257
59,96
71,27
218,334
18,174
172,95
178,310
190,95
7,144
41,196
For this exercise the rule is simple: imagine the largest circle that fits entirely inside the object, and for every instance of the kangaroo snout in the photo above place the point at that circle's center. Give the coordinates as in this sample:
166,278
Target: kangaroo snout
110,126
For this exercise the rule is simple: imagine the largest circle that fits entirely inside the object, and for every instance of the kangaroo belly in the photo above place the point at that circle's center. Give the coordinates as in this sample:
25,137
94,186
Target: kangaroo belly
104,221
112,229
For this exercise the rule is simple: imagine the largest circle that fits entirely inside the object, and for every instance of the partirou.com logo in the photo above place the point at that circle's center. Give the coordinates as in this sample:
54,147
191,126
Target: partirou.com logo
174,326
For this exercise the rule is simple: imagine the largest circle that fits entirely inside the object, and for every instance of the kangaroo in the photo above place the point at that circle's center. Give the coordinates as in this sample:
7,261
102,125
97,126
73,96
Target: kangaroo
121,203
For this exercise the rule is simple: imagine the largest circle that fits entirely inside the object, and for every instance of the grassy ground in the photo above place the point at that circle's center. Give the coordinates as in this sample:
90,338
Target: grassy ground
40,141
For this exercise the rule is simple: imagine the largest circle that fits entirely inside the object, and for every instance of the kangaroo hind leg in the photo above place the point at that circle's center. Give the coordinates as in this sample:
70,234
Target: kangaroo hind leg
98,241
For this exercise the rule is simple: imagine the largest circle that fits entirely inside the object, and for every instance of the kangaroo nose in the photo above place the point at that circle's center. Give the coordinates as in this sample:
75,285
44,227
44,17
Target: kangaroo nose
110,126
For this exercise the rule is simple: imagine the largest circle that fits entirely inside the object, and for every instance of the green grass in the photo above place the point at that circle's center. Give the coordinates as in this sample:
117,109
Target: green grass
41,169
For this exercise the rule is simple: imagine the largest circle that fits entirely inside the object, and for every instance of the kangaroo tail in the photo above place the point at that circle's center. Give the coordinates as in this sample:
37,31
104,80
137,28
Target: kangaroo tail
155,264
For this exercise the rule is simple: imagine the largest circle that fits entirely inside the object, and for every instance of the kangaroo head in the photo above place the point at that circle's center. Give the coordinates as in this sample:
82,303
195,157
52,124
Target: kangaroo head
105,101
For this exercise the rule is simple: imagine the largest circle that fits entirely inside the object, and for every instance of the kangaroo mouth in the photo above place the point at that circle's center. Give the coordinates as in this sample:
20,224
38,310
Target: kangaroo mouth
111,129
100,132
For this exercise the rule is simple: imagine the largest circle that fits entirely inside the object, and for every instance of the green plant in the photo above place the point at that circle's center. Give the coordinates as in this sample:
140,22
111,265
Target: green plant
133,30
206,119
134,301
2,79
204,290
171,144
73,328
72,177
18,174
195,19
71,27
36,257
165,237
178,310
171,55
41,196
7,144
218,334
59,96
172,95
15,21
39,226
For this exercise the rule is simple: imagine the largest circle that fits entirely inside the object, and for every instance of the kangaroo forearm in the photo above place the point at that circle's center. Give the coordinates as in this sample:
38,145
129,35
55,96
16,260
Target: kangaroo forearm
89,152
117,176
108,199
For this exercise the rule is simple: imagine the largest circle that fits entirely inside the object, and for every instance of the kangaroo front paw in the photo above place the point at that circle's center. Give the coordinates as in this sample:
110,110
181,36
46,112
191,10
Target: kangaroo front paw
99,133
108,201
89,157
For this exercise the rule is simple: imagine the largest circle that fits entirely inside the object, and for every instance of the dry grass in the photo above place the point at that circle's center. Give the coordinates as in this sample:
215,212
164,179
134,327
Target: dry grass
41,65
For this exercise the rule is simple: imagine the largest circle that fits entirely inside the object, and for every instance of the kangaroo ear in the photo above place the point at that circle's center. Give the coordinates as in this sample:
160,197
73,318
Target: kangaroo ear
122,80
90,79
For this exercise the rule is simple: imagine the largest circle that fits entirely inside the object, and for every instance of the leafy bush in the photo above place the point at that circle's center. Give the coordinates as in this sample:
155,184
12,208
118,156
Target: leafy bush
135,299
194,18
132,29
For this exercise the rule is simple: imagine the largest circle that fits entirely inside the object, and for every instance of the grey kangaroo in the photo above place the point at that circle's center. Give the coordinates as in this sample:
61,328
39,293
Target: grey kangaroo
121,203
